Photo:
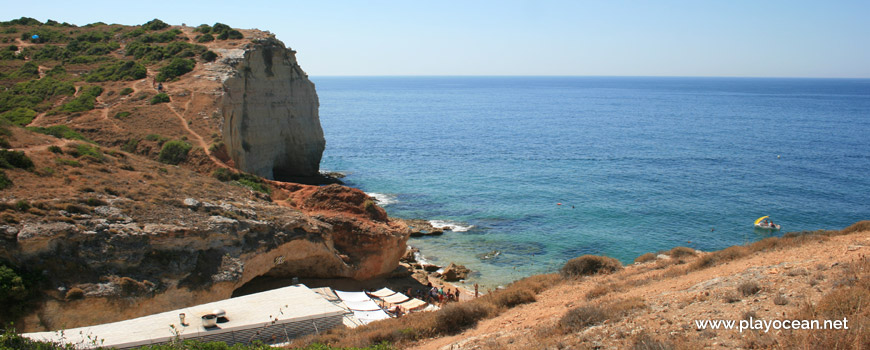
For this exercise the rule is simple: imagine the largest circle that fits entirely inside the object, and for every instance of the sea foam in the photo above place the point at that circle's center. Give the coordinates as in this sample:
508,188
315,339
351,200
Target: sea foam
383,199
450,225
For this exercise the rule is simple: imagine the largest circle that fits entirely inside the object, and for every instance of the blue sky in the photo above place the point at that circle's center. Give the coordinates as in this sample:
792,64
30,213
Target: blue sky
771,38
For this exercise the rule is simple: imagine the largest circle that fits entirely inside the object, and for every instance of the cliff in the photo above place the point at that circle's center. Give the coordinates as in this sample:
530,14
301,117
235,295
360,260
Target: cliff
120,198
270,115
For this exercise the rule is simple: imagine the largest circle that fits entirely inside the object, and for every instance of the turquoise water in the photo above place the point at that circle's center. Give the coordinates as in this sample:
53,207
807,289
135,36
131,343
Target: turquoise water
646,163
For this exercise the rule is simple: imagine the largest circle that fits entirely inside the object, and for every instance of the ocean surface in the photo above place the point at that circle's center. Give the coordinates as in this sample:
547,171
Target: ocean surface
638,164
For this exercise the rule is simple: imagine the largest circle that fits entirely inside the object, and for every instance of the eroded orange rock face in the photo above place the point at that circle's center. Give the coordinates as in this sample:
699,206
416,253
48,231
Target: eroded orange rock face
360,229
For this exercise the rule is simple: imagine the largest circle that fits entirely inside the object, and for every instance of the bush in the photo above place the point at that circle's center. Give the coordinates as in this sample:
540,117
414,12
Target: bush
584,316
130,146
203,28
123,70
55,149
126,91
680,252
87,151
204,38
224,175
160,98
509,298
12,288
176,68
75,294
174,152
22,205
645,257
209,56
456,317
20,116
15,159
59,131
155,24
5,182
589,265
748,288
122,115
84,102
160,139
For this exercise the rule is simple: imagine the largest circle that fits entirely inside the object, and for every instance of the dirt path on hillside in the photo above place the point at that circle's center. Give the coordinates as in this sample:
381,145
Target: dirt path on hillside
199,139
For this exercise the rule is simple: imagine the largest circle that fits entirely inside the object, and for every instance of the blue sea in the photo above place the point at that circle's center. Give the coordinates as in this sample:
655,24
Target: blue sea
638,164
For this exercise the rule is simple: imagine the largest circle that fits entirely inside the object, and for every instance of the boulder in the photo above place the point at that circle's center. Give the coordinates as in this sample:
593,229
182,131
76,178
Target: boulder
453,273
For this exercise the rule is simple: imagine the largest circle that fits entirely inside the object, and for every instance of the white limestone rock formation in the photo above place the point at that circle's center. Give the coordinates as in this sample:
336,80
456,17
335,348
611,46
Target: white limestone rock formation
271,125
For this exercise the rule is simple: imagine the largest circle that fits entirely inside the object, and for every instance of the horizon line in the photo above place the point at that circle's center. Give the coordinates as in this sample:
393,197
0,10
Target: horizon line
568,76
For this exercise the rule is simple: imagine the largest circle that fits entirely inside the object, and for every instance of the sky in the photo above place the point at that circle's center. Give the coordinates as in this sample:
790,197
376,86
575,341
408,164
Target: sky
737,38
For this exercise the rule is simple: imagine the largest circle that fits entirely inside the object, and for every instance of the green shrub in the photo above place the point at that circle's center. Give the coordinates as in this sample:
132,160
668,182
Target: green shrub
55,149
126,91
5,182
203,28
89,151
84,102
70,162
209,56
122,115
589,265
15,159
220,28
174,152
124,70
59,131
176,68
20,116
12,288
22,205
130,146
224,175
155,24
254,182
160,98
235,34
29,70
160,139
204,38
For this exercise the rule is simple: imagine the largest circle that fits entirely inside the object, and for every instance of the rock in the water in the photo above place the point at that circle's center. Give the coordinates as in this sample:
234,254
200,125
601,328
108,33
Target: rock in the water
430,268
453,273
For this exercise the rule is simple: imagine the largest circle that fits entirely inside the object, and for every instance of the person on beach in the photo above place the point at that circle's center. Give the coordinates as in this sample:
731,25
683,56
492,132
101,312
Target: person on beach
457,294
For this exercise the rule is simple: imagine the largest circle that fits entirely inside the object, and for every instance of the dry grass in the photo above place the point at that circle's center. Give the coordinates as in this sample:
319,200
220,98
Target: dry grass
645,258
597,292
748,288
587,315
589,265
679,252
451,319
581,317
850,302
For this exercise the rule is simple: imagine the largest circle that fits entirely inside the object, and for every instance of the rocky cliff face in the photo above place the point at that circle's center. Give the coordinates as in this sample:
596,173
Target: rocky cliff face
270,112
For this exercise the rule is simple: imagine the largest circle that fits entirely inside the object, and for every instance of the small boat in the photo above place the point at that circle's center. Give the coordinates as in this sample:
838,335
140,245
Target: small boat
763,224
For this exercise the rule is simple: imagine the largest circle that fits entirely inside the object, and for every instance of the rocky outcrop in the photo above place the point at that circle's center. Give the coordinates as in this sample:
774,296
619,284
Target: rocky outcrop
108,256
271,125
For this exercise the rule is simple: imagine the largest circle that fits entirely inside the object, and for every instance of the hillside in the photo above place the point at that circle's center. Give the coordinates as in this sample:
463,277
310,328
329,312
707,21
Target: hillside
121,193
654,303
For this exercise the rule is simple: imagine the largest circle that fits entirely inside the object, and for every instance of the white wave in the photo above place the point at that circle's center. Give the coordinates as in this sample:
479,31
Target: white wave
421,259
450,225
383,199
